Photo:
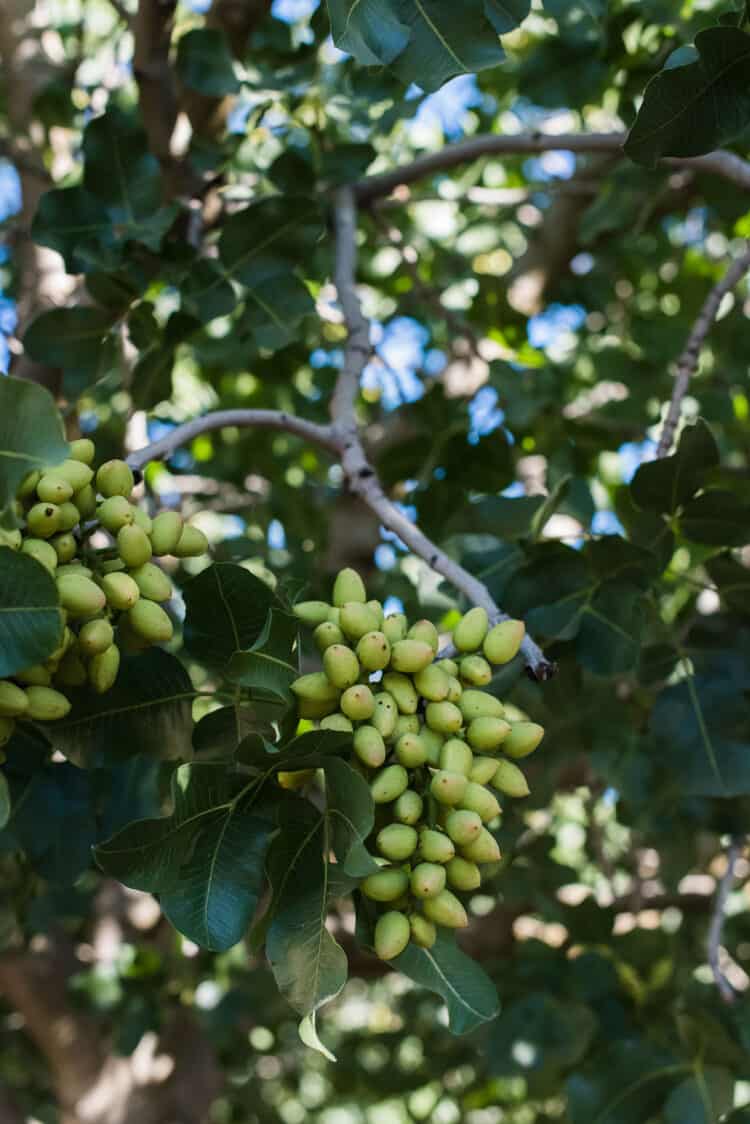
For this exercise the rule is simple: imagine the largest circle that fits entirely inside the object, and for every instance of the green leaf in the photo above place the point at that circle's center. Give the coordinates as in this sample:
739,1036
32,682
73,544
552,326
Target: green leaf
505,15
31,621
220,731
5,802
147,711
716,518
666,484
702,1098
206,293
624,1084
609,638
221,883
733,582
74,338
226,609
151,854
274,308
446,40
31,437
74,222
371,30
307,751
261,240
270,666
539,1037
688,110
701,726
309,966
119,169
350,808
501,516
461,983
204,63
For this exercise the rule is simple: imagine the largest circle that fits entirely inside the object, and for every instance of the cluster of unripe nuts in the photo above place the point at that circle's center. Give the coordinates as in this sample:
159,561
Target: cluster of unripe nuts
111,595
429,738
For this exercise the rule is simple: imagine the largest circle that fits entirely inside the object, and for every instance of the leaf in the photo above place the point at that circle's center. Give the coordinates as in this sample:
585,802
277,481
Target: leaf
270,667
74,222
351,811
53,820
506,15
624,1084
31,436
72,338
732,580
206,293
308,750
226,608
309,966
31,621
264,238
371,30
702,729
609,638
462,984
689,110
274,308
220,886
150,854
119,169
664,485
446,40
702,1098
147,711
500,516
204,63
716,518
220,731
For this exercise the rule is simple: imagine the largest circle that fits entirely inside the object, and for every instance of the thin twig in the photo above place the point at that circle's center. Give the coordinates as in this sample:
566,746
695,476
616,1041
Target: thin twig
360,474
242,419
726,991
688,362
721,163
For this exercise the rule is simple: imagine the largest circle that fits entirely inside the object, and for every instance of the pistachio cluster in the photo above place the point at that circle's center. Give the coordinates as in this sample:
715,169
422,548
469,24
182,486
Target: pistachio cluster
112,596
427,735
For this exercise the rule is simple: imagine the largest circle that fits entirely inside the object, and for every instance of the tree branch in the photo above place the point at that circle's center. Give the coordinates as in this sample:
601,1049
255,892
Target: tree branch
721,163
242,419
688,361
361,476
726,991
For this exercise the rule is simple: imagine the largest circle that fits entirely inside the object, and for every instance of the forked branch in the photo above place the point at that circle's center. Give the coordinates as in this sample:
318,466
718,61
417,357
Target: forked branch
342,438
725,989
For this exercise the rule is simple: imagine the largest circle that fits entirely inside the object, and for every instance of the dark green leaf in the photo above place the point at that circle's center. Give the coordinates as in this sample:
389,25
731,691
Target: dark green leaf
150,854
351,812
371,30
702,1098
625,1084
270,666
221,883
73,338
505,15
716,518
497,515
688,110
204,63
226,608
31,437
309,966
666,484
147,711
119,168
257,242
274,308
733,582
31,621
463,985
206,293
